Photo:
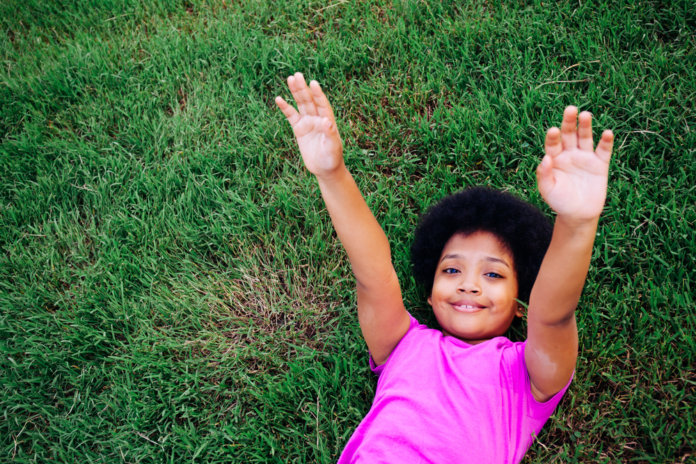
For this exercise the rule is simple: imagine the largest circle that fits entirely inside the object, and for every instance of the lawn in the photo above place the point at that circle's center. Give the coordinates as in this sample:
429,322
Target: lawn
171,289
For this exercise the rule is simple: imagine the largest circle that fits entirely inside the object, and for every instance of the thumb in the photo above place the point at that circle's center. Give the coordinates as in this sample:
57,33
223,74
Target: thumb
330,130
544,172
326,125
329,127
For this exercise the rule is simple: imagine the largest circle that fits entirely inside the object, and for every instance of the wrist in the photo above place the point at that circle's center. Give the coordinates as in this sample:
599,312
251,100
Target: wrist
334,175
578,225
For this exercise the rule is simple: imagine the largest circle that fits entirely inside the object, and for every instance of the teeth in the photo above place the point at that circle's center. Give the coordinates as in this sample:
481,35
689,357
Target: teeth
466,307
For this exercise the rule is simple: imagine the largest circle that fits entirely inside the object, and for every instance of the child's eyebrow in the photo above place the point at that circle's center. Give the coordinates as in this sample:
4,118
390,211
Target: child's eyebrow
491,259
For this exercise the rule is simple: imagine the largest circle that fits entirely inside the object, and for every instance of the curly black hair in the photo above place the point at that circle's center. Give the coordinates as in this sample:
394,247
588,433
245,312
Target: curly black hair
521,227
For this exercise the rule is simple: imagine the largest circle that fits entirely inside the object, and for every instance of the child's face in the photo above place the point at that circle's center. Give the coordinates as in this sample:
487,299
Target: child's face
475,288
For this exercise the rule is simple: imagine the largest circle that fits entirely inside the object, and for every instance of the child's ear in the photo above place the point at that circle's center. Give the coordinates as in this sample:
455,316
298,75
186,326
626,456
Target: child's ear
521,308
430,301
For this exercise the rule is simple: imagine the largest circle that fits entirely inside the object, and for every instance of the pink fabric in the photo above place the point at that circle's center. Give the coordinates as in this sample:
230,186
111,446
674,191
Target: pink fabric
441,400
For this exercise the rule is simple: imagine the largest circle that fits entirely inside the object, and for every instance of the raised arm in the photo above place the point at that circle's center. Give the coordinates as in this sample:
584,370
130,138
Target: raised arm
381,313
572,179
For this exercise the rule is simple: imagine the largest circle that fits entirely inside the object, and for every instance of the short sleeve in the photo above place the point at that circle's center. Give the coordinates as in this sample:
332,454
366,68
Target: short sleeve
538,408
413,323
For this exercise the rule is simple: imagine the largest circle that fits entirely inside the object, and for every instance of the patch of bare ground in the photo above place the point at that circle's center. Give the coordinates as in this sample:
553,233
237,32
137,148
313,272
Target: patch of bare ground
251,323
268,312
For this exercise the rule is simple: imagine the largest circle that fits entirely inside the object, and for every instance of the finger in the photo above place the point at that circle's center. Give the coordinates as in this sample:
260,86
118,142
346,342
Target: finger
605,145
290,113
552,145
300,91
544,172
585,131
320,101
569,136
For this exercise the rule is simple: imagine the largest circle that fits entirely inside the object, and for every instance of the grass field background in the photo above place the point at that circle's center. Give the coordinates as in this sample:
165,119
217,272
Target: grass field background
171,289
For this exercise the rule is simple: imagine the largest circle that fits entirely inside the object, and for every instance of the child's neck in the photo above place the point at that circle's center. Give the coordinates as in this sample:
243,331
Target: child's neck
466,340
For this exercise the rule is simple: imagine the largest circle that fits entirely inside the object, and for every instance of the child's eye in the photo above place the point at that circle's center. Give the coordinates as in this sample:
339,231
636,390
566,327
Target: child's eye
494,275
450,270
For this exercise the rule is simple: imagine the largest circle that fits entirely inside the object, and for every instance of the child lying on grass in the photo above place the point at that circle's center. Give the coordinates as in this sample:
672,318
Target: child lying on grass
465,393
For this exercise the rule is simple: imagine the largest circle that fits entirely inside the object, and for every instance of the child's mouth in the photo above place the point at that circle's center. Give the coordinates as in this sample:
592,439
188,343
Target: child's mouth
467,307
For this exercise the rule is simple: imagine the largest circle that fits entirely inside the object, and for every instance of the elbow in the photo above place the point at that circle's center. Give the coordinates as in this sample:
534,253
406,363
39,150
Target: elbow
556,319
377,279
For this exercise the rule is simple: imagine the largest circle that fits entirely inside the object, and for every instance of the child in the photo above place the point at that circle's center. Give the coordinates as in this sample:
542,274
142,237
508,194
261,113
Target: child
465,393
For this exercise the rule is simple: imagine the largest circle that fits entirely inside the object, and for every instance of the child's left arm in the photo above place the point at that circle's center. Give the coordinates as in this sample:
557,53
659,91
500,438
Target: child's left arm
572,179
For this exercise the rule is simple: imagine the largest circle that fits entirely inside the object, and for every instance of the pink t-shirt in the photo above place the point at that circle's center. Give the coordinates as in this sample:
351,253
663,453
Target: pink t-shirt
441,400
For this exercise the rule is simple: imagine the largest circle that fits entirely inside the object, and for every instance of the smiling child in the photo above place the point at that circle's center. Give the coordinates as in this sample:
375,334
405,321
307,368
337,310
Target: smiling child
465,393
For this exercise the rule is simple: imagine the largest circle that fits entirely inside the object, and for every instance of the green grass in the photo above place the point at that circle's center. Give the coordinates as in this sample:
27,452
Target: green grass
171,289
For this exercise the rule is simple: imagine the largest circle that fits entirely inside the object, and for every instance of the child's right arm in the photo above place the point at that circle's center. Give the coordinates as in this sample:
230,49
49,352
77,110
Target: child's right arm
381,312
572,179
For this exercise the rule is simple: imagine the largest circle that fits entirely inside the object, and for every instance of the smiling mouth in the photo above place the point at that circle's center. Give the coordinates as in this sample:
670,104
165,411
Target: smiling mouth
467,308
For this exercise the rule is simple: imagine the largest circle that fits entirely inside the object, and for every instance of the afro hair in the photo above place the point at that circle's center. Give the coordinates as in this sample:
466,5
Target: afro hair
522,228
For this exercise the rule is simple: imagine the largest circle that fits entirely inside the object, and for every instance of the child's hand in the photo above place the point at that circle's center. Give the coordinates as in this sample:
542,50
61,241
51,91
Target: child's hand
572,178
314,127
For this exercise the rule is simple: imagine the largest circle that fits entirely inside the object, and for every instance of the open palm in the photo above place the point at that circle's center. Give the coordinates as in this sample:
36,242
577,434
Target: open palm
314,126
572,176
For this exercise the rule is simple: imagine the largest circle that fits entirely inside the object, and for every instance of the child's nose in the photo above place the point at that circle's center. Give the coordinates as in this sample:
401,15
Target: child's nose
469,285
